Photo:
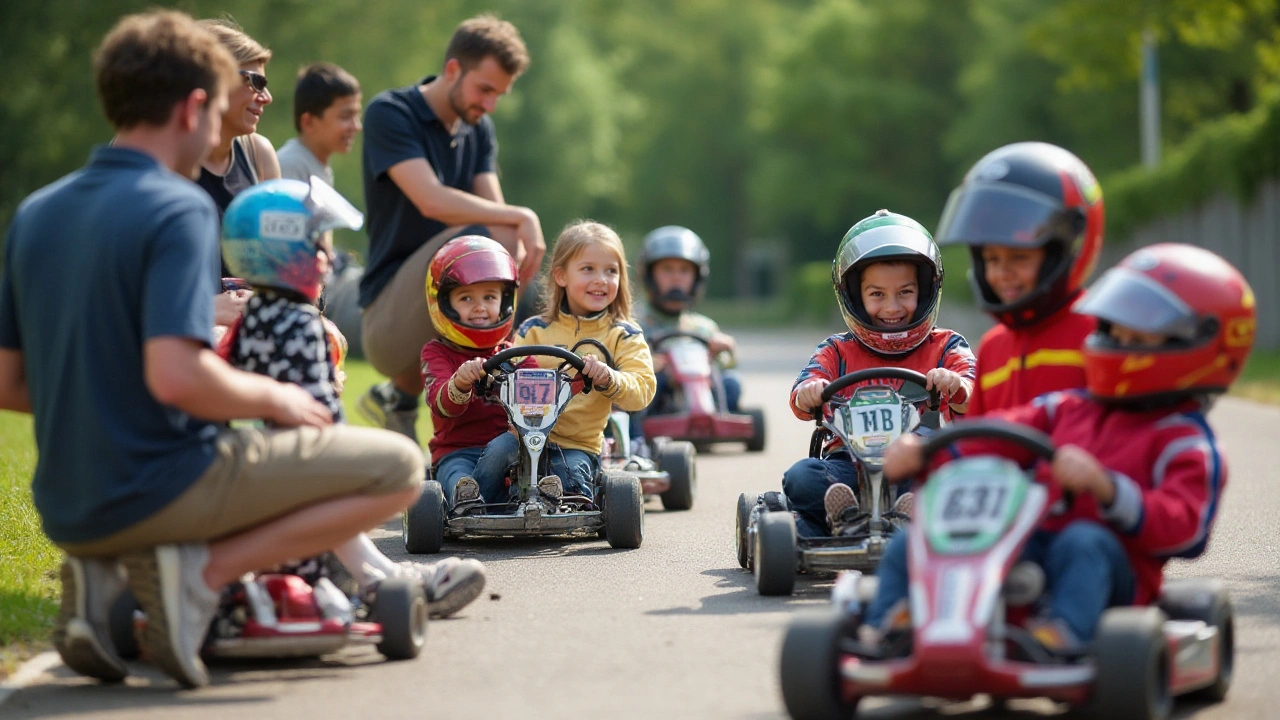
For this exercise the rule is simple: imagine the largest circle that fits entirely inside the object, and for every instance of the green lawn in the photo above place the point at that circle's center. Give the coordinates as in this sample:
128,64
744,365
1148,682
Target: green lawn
1261,378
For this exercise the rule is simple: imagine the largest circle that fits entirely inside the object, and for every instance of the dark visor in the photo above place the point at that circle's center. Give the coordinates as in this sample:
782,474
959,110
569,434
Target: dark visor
1129,298
1001,214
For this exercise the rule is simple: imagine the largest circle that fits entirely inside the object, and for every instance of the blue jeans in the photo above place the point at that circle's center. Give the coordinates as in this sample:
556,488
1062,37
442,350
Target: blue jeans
1085,566
576,468
805,484
487,468
732,396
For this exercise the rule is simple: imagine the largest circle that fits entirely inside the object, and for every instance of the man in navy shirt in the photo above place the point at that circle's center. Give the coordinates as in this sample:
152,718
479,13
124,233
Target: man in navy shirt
106,316
430,176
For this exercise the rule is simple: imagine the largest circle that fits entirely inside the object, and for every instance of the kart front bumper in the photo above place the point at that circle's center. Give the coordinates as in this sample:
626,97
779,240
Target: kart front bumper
835,554
528,520
701,428
959,676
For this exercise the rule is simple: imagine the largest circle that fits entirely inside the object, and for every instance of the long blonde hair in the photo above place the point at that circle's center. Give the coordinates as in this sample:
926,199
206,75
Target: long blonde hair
575,237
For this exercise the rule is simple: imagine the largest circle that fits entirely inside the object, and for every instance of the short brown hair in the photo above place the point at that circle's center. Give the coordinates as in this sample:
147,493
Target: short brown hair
575,237
486,36
319,86
243,48
151,61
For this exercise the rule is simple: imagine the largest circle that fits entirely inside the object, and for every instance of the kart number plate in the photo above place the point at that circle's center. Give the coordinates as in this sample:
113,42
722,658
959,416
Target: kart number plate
535,388
871,421
973,505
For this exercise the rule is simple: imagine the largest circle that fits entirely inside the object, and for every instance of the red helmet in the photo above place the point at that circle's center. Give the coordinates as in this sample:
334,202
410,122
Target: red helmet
468,260
1028,194
1203,306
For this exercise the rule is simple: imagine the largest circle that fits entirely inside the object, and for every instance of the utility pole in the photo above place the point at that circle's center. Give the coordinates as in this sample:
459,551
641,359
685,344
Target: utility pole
1149,100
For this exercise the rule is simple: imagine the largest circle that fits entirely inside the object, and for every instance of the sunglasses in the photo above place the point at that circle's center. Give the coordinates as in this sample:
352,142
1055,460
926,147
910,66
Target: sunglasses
257,81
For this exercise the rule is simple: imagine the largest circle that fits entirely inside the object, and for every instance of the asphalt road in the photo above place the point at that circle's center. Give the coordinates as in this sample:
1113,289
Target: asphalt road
674,629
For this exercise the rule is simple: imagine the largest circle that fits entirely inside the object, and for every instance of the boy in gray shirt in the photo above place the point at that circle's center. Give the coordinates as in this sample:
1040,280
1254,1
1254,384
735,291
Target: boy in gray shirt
326,113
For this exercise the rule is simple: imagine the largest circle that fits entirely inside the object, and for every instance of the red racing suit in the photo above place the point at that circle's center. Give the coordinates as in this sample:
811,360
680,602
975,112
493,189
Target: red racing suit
460,425
842,354
1167,467
1015,366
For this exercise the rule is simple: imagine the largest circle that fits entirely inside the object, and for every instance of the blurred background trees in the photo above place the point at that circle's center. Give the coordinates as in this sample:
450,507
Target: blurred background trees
768,126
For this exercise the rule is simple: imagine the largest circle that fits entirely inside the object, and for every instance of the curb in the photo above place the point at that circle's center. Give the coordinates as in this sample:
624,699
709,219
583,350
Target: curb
27,672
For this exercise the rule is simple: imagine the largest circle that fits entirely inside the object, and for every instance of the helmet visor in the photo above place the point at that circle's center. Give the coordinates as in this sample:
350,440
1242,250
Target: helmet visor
329,210
1129,298
1001,214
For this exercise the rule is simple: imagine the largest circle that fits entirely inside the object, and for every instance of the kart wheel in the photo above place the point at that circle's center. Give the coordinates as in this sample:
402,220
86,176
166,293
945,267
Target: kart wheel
678,461
756,442
120,622
422,527
745,503
400,607
1205,599
623,510
775,561
1132,660
811,687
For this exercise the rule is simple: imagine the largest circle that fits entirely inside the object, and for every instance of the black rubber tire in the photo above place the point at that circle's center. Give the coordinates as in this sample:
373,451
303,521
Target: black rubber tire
809,669
775,561
120,622
745,503
623,510
423,523
1205,599
756,442
400,607
1132,661
679,461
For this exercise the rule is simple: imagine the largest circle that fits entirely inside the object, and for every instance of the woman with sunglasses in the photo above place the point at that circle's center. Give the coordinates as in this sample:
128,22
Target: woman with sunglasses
242,157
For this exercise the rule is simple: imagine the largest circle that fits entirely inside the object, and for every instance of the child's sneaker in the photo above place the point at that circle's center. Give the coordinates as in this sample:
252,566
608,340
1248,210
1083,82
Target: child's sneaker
465,493
82,635
168,581
838,501
382,405
1054,636
904,504
898,619
549,487
450,584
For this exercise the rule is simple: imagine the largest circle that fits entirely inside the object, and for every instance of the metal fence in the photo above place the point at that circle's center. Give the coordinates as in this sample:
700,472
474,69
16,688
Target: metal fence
1247,236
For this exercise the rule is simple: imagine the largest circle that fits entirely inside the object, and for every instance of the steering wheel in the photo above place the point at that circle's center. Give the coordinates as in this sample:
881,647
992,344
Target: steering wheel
501,361
883,373
1020,435
659,338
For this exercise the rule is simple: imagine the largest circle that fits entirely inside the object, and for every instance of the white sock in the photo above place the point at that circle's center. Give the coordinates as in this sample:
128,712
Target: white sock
359,553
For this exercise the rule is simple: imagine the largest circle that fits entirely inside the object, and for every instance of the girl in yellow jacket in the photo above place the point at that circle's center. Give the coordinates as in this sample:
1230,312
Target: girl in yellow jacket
588,297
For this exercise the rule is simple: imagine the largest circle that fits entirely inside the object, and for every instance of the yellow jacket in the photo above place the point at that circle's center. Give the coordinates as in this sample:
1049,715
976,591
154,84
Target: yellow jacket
581,426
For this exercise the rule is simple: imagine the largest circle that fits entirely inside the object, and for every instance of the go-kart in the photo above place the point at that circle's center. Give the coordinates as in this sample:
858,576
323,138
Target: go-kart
277,615
864,424
968,589
671,473
695,410
533,399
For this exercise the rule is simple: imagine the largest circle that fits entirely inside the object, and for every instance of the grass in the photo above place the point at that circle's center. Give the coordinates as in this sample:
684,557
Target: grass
1261,378
29,588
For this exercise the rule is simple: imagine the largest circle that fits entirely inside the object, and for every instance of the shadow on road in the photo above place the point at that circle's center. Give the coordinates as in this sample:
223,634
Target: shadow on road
745,599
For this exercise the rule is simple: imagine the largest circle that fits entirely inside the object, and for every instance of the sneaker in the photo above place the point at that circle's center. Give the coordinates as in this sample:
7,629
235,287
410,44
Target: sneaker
549,487
82,634
837,501
1054,636
466,492
380,405
168,581
904,504
451,584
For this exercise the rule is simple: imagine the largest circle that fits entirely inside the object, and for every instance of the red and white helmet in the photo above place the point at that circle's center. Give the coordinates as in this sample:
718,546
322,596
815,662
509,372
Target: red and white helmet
1198,300
468,260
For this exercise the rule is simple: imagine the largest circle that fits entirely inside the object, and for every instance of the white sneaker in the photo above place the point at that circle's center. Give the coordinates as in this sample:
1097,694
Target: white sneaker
168,581
82,635
450,584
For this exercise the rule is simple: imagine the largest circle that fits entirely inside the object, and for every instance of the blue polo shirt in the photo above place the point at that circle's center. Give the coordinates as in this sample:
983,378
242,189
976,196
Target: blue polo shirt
110,256
399,126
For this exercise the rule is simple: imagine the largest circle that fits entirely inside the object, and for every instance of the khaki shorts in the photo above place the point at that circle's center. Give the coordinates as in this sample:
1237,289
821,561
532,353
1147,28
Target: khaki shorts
396,325
260,475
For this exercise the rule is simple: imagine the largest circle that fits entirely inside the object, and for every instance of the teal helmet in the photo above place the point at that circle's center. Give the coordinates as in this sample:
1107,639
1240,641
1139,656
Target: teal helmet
885,237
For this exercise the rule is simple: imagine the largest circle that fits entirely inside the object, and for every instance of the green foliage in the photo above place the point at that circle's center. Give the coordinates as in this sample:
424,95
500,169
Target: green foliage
28,562
812,299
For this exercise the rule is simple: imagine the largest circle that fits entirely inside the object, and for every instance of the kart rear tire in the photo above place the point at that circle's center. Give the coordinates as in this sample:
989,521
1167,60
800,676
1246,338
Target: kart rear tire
1205,599
756,442
623,510
775,561
422,527
1132,661
810,671
679,461
120,625
745,503
400,607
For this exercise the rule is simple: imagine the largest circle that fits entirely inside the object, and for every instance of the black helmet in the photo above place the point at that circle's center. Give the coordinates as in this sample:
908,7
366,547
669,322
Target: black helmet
673,241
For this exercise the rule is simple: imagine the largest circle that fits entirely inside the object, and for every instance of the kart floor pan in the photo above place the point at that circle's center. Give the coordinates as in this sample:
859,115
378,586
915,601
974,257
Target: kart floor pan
531,522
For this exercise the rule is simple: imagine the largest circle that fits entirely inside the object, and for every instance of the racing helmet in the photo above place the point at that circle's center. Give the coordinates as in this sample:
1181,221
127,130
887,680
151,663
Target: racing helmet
674,241
887,236
272,231
1028,194
1202,304
467,260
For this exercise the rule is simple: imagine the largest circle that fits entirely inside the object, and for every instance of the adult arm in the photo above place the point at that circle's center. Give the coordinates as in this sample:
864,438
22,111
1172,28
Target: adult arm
267,164
14,392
